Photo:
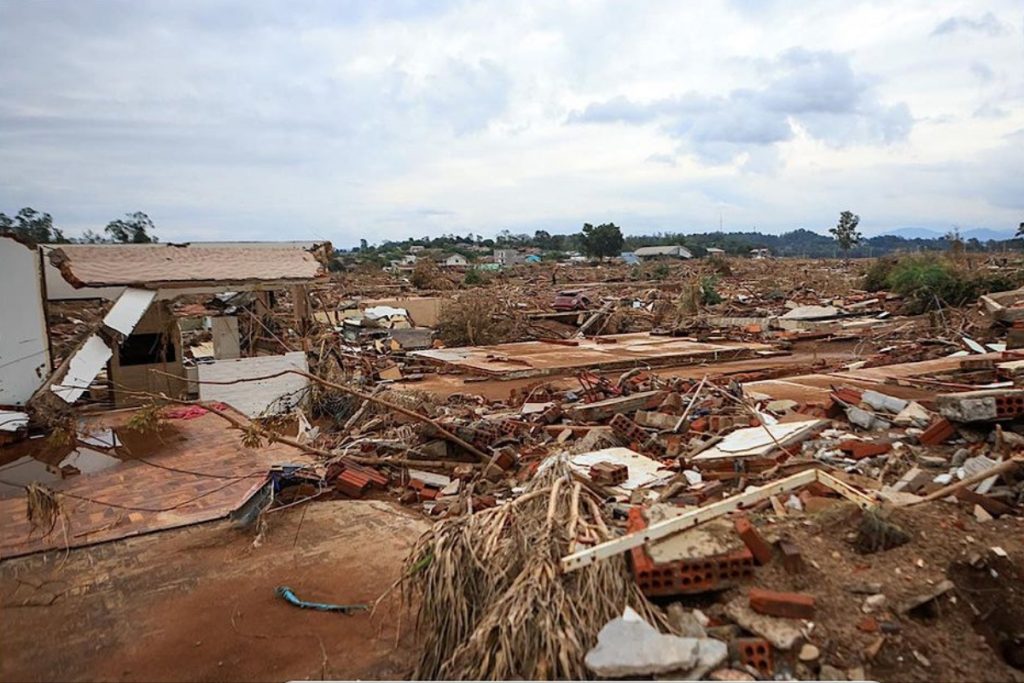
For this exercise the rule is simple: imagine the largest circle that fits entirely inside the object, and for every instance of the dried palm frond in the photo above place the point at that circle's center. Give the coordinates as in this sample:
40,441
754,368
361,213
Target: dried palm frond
43,506
252,436
491,600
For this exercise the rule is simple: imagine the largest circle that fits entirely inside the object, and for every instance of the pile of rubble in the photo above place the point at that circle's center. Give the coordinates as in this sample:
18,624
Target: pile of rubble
759,488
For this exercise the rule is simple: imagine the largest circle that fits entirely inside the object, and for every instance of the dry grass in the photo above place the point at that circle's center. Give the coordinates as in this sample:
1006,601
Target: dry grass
491,600
472,319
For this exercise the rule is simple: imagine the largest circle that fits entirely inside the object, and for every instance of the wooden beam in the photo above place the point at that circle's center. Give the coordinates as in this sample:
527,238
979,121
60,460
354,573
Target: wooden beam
845,490
602,410
667,527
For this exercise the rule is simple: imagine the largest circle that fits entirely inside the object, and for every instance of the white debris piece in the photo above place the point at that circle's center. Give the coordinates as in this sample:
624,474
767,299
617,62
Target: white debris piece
129,308
87,362
12,420
629,646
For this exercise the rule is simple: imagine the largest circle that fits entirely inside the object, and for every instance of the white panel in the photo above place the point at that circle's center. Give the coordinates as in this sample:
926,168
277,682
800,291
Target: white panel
87,362
12,420
260,397
24,349
128,310
226,341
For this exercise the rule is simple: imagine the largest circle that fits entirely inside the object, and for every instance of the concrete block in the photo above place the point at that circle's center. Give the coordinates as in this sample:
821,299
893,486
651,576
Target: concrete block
628,646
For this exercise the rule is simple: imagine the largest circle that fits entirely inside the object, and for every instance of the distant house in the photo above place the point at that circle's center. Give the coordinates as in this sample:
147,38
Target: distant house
760,253
674,251
629,258
416,248
455,261
406,262
507,257
715,251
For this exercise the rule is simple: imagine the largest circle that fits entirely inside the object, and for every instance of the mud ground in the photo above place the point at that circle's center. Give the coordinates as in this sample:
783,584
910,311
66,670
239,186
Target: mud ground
198,604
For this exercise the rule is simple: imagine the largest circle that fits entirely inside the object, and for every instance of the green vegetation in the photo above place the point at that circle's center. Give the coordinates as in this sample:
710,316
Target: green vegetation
37,227
709,295
929,281
602,240
845,231
134,228
33,226
474,277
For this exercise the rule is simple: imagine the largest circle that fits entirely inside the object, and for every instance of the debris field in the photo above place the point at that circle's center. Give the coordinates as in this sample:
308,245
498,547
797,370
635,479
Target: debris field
233,465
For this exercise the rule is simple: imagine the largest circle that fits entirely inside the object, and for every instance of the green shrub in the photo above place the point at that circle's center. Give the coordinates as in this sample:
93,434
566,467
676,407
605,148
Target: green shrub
929,281
474,277
709,290
877,276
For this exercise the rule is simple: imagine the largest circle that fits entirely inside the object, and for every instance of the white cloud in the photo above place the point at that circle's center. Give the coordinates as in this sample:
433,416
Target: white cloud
348,120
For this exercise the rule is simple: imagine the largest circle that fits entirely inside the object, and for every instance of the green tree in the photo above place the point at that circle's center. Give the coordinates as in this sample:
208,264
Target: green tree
845,232
603,240
34,226
91,237
134,228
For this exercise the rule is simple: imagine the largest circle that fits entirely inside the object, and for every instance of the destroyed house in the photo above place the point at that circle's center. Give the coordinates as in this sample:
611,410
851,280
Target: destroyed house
149,342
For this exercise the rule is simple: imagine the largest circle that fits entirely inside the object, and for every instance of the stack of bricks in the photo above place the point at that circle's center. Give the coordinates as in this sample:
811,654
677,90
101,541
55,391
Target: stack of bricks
696,575
632,433
627,430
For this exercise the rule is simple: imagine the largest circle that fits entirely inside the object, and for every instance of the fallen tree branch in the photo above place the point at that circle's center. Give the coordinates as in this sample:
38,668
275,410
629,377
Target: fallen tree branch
483,457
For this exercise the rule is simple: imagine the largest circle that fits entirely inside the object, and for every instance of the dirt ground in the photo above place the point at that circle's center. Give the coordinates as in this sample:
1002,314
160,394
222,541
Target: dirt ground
943,539
198,603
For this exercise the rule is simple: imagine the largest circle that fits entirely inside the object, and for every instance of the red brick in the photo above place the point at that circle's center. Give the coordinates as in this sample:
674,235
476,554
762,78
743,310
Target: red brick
847,395
868,624
759,547
776,604
609,473
756,652
938,432
792,560
859,450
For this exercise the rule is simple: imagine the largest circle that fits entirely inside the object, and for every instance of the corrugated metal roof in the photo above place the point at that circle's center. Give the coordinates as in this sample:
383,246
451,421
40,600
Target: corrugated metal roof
672,250
88,265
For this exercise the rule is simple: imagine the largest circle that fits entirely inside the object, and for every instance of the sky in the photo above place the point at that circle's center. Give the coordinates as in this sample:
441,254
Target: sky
345,120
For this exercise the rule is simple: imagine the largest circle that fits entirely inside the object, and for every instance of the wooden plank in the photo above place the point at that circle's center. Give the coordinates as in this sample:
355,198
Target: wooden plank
602,410
667,527
845,490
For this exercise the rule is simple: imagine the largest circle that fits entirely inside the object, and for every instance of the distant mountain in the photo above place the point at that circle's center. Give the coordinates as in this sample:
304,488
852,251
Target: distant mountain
914,233
986,234
980,234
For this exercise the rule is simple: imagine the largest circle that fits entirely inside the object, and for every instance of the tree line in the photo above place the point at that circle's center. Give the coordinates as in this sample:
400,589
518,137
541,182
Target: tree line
607,239
38,227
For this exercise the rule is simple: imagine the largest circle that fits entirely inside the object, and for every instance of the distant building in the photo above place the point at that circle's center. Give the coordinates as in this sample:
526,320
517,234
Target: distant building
507,257
674,251
629,258
715,251
760,253
455,261
533,258
416,248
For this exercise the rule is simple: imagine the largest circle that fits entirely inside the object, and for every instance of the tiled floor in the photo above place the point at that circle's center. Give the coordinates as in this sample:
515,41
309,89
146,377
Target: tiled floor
195,470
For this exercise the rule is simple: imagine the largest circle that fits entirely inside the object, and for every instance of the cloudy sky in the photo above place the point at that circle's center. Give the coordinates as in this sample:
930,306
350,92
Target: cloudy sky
348,120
